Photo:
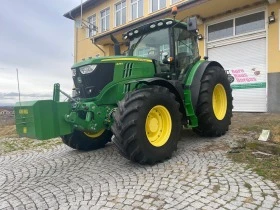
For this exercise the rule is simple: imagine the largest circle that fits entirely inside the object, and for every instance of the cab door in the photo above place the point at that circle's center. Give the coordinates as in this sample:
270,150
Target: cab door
186,51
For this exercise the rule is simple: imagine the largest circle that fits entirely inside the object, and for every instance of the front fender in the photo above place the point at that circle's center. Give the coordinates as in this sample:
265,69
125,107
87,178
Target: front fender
174,86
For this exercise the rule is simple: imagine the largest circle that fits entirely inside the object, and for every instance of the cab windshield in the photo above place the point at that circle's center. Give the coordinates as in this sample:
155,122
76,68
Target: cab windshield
153,45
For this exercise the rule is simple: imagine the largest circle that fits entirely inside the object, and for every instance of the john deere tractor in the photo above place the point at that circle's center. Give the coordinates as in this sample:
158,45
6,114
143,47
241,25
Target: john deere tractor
140,101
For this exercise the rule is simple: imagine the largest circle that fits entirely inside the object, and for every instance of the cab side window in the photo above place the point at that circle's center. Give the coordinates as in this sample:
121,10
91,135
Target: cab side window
186,50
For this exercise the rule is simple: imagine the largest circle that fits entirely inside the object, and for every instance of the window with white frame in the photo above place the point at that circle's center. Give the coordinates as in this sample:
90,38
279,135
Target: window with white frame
237,26
249,23
120,13
104,19
91,26
136,9
220,30
157,5
174,1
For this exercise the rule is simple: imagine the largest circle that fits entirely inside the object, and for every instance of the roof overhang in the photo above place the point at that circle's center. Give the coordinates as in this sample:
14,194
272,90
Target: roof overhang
189,8
104,38
205,9
76,12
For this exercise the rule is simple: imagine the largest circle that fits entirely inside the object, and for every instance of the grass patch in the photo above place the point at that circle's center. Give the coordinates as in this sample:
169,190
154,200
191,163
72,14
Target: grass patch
10,145
249,200
273,126
216,188
262,157
8,131
10,142
264,194
211,168
254,123
247,185
272,149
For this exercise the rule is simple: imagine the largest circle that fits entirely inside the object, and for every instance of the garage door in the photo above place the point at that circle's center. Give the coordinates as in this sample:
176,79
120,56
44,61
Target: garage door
246,63
239,44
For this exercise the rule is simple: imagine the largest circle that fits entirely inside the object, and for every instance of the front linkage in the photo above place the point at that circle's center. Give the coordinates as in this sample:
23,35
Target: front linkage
45,119
85,115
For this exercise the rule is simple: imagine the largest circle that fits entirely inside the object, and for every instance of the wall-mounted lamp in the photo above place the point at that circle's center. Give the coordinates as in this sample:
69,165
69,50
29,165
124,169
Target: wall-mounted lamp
199,37
271,18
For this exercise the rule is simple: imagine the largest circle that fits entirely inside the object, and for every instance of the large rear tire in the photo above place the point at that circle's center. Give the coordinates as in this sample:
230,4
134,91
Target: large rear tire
87,141
147,125
214,109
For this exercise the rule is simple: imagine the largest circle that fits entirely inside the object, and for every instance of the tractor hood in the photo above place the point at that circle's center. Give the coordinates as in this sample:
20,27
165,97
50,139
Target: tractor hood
111,59
92,75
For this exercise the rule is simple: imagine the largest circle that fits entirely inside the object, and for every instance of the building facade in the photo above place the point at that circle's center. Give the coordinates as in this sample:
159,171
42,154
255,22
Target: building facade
244,36
4,112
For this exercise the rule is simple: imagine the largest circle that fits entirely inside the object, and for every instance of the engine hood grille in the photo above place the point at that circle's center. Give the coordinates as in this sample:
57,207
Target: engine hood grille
90,85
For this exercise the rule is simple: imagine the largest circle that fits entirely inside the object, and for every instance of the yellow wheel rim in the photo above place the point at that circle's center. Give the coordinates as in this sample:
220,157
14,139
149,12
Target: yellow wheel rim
219,101
158,126
94,135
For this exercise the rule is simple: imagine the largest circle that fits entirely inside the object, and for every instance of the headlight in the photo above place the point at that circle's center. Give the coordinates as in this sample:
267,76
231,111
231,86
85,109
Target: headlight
87,69
153,26
73,72
169,22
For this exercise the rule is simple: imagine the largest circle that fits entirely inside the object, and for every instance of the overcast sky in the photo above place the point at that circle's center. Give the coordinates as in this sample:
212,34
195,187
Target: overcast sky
39,41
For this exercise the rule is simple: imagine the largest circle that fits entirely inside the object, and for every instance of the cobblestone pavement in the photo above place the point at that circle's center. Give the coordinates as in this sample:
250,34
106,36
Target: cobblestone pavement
198,176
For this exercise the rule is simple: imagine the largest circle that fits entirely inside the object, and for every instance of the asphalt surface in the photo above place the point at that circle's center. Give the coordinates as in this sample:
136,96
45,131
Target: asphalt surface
198,176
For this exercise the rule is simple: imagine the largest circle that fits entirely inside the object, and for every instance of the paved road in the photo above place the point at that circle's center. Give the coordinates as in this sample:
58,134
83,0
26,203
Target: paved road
199,176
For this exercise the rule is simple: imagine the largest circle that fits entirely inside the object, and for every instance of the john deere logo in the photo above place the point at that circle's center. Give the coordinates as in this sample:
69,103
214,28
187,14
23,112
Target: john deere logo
23,111
24,130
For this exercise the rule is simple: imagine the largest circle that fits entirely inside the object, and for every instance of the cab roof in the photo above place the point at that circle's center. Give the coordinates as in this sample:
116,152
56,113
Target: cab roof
154,26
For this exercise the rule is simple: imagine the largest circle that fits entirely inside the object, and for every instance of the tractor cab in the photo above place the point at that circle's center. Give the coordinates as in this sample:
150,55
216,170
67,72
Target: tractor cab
172,45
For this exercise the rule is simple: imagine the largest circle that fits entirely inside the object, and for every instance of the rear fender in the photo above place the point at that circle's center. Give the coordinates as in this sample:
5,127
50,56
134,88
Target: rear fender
194,85
192,89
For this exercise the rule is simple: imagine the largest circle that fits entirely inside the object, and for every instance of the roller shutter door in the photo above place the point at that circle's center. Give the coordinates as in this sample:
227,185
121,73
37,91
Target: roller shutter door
246,62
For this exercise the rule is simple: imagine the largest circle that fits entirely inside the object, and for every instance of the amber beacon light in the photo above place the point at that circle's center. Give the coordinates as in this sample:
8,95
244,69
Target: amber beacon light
174,11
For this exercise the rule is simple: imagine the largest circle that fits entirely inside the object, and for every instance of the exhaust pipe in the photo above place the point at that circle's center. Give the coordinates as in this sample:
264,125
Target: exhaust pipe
117,48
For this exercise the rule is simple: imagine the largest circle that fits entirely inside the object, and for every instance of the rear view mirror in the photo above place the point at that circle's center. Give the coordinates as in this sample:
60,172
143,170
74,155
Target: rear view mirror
192,23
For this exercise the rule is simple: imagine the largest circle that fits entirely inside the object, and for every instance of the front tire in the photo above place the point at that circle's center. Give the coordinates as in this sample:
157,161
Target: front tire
147,125
214,109
86,141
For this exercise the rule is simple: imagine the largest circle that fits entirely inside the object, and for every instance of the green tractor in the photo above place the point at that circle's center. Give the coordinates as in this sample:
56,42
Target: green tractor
140,101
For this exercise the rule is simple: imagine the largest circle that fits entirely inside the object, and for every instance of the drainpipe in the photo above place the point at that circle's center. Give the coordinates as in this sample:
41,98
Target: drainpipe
76,46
